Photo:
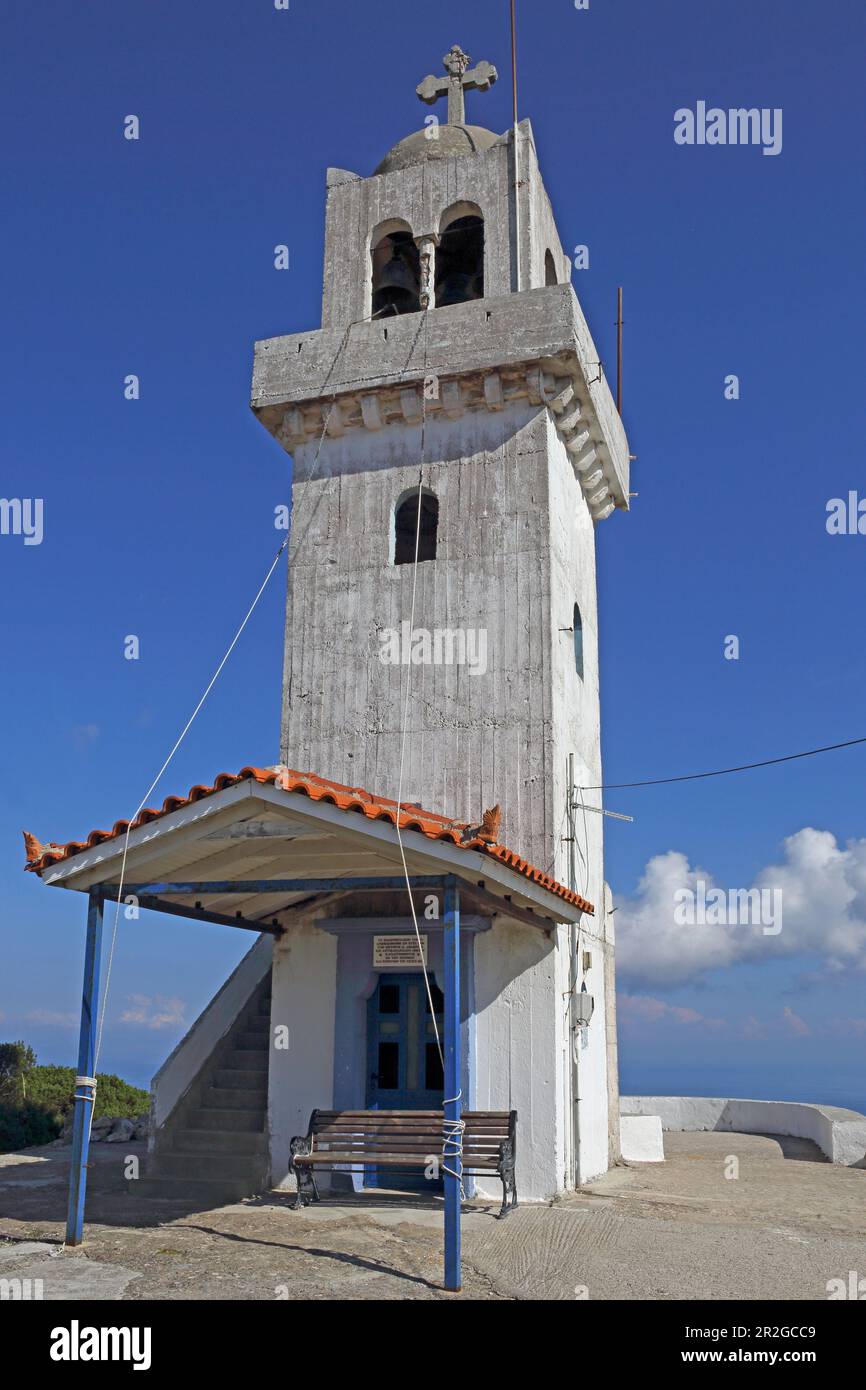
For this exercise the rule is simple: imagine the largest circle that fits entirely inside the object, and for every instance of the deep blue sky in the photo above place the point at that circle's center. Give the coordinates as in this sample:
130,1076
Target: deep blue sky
156,258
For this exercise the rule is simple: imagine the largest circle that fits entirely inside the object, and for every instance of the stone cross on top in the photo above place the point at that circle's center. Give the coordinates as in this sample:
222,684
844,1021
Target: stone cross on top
461,79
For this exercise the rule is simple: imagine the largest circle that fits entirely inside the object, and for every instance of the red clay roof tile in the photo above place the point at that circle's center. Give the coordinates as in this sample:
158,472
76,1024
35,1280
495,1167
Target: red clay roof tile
356,799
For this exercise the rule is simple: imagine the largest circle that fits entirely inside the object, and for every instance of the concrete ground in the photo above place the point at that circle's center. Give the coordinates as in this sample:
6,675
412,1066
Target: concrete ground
784,1226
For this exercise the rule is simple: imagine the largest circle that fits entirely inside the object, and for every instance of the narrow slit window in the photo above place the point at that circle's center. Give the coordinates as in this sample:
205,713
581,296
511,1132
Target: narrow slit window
408,526
578,642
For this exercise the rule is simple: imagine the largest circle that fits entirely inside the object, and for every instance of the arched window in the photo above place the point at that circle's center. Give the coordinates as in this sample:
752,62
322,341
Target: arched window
407,527
578,642
550,275
396,271
460,256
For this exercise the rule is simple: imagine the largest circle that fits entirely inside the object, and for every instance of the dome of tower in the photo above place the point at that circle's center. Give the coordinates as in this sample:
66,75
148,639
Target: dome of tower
449,142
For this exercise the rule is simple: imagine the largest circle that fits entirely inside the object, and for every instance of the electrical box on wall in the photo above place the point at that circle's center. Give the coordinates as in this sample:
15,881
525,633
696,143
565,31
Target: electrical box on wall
584,1004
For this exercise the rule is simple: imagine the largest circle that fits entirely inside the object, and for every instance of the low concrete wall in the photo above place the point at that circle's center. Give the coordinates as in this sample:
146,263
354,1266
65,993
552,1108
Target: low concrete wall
840,1134
183,1065
641,1139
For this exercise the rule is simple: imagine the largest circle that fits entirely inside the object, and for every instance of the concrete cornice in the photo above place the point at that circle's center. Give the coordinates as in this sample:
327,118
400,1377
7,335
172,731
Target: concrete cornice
531,347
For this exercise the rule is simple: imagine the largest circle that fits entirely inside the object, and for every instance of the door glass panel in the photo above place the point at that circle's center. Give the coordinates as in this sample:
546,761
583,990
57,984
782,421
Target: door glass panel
438,999
389,999
412,1039
389,1066
433,1079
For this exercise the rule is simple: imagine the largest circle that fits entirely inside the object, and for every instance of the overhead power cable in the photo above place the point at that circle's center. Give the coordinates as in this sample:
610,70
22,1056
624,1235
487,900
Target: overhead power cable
726,771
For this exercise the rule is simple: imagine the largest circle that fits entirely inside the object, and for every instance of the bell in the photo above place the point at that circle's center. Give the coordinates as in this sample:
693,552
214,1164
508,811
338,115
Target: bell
397,289
457,288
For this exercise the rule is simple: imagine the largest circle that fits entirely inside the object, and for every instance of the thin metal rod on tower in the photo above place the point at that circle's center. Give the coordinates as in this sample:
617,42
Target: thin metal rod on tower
514,56
619,350
516,154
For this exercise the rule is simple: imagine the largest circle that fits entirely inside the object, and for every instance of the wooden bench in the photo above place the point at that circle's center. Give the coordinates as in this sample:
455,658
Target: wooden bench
407,1140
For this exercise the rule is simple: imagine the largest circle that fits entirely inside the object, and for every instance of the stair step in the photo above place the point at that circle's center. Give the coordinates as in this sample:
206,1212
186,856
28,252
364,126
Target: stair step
257,1023
243,1059
265,1005
253,1041
234,1078
248,1121
201,1194
250,1167
222,1098
208,1141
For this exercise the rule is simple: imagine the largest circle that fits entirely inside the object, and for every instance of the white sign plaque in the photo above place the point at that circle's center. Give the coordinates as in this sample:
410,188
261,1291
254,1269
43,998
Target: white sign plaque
390,951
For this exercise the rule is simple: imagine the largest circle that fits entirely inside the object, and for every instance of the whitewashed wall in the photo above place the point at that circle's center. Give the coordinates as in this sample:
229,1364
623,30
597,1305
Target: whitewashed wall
518,1049
576,728
303,997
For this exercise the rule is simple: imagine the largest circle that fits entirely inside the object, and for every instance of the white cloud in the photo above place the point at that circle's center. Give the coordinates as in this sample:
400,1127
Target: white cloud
797,1025
848,1027
643,1008
50,1018
823,896
155,1012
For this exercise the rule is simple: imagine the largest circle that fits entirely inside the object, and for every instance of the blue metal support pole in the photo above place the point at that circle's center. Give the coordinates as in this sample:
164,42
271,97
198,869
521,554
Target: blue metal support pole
85,1094
453,1145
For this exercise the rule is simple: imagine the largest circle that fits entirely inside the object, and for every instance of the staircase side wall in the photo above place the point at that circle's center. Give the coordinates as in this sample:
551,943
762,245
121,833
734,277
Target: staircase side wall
193,1058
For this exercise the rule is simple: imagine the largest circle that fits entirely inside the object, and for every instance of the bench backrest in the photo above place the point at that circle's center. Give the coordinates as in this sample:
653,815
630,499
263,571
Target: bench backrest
415,1132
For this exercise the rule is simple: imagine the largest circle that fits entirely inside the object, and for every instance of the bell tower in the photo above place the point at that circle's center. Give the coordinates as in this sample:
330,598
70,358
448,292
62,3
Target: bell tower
452,400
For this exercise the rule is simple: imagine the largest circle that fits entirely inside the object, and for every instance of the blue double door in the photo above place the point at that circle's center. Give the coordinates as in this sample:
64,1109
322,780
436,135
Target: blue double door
404,1069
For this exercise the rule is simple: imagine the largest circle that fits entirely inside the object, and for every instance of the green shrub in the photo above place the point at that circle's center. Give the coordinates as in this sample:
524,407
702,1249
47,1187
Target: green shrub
22,1126
54,1088
16,1062
35,1101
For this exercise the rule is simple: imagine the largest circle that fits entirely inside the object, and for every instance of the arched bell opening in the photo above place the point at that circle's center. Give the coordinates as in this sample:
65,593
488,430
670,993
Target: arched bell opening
460,257
396,274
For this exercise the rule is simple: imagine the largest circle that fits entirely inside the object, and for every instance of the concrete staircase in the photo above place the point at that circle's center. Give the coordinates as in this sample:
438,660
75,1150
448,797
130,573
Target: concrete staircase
213,1148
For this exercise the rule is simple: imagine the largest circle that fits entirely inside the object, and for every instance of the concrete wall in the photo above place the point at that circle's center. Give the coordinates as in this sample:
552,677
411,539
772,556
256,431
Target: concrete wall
474,740
840,1134
576,728
419,196
301,1077
305,375
519,1027
194,1050
542,231
641,1139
